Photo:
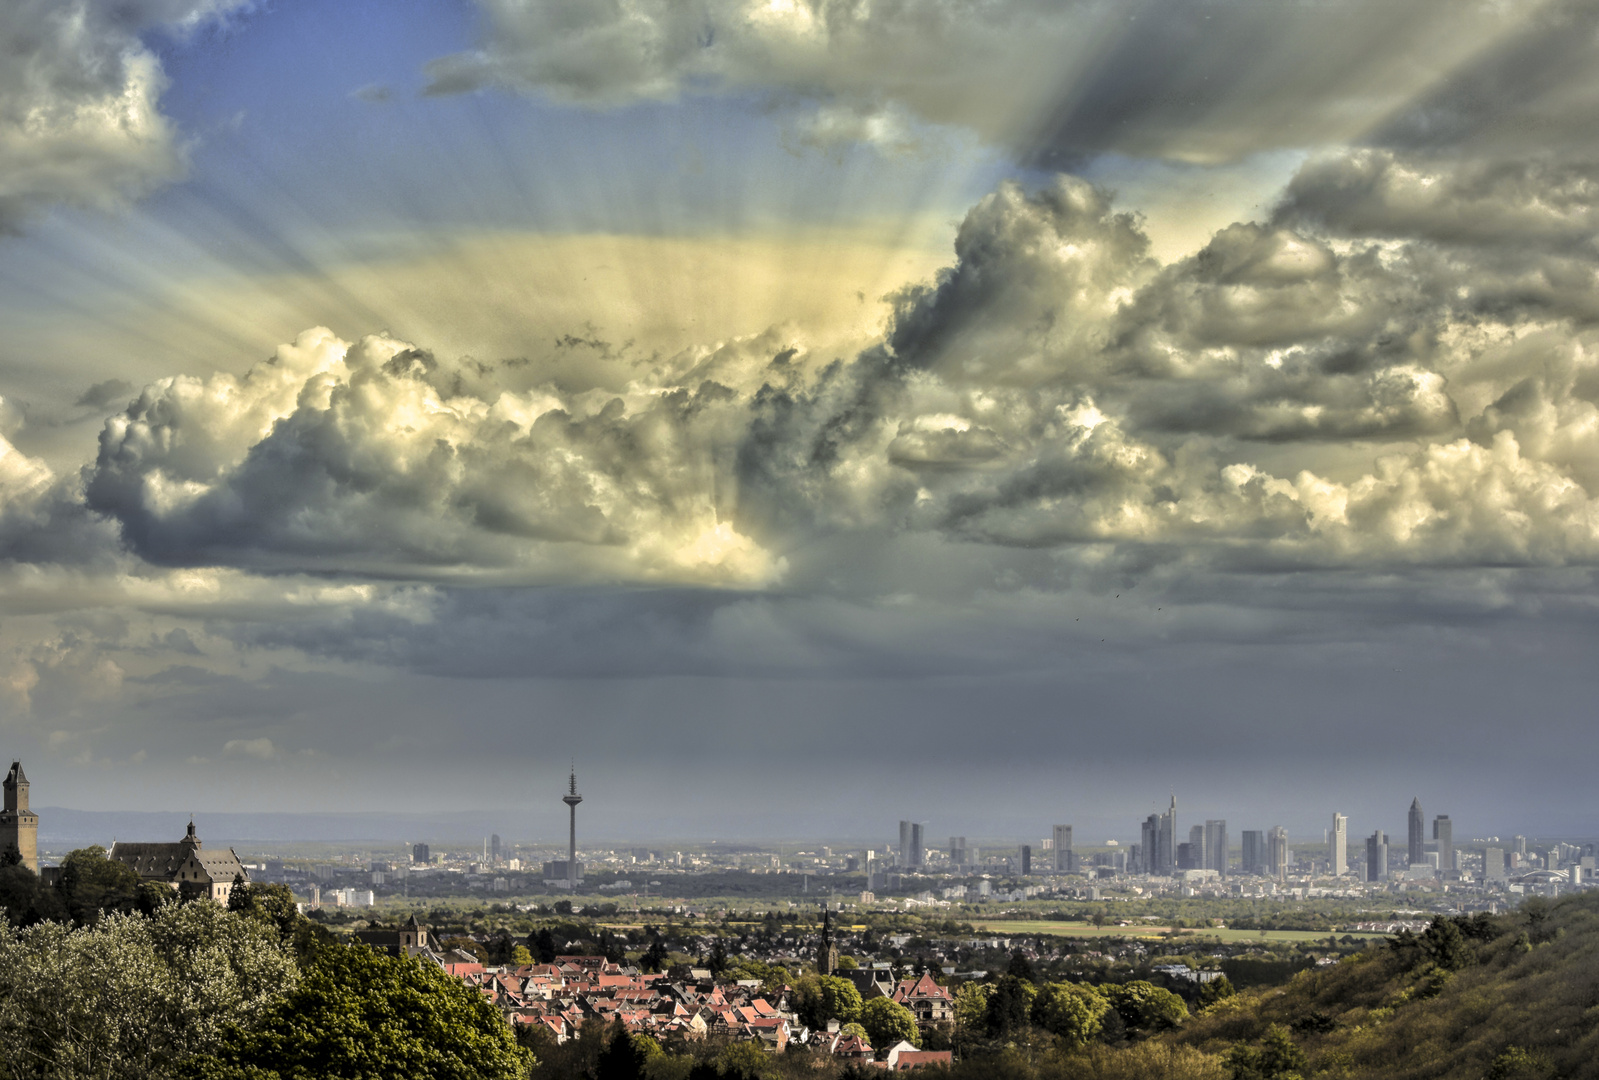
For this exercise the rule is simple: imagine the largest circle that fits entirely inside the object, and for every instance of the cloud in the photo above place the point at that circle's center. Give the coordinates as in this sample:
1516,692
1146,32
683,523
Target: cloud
312,456
80,122
1330,389
260,749
1051,80
1543,202
105,393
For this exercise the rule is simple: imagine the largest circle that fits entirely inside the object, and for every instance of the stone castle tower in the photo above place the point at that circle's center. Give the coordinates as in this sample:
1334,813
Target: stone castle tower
19,826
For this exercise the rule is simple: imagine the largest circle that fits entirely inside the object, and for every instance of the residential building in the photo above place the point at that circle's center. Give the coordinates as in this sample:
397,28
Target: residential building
931,1004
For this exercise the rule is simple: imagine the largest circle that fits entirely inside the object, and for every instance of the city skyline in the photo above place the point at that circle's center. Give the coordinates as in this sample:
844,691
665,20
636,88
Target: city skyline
1205,839
398,403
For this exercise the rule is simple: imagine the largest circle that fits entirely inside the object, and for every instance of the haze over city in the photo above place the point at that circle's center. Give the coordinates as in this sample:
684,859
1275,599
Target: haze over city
802,416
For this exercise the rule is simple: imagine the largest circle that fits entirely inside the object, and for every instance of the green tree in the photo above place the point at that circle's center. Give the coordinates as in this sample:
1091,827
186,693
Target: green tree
1516,1063
1009,1006
1217,989
1276,1058
887,1022
24,898
272,905
622,1058
971,1006
128,996
1446,945
655,958
542,945
358,1013
743,1061
92,884
1144,1008
1071,1011
820,998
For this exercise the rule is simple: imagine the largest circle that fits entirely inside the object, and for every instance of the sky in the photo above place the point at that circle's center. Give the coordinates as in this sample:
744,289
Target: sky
799,415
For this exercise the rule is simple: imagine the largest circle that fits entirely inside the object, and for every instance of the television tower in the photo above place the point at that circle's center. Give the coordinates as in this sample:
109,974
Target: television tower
571,799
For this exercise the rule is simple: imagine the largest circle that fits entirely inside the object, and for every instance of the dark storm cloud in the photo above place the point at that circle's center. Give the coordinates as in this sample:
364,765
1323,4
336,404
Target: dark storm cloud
1531,90
105,393
1053,81
1522,206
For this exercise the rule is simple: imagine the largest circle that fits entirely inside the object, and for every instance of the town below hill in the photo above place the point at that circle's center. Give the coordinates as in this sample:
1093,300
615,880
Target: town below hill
102,973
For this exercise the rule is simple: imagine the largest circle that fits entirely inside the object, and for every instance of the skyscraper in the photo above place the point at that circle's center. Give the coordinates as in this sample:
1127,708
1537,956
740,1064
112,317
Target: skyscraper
494,848
1418,847
1164,863
904,852
1277,851
1027,859
1443,831
1339,842
957,850
1198,857
571,799
1149,844
918,849
1063,849
1216,845
1377,856
1252,858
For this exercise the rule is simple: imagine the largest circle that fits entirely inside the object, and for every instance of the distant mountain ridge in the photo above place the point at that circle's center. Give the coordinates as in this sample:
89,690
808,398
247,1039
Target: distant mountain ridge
61,826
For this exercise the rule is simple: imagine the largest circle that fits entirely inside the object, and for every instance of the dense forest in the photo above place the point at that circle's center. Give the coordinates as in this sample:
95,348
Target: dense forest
100,976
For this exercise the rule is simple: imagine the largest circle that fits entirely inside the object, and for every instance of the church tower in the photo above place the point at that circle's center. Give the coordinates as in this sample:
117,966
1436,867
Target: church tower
19,826
827,955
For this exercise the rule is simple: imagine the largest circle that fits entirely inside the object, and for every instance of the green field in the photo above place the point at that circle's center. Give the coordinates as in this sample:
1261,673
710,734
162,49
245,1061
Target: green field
1082,929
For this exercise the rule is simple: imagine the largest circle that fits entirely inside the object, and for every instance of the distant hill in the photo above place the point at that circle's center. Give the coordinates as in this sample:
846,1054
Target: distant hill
60,827
1504,998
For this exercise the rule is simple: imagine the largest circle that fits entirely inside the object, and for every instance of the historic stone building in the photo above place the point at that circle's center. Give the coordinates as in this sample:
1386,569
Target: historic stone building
185,865
19,826
411,939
